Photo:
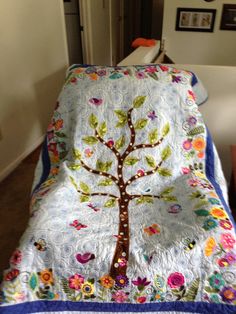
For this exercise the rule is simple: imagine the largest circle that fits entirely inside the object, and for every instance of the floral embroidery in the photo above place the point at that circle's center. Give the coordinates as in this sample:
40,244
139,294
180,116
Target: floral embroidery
76,281
175,280
16,257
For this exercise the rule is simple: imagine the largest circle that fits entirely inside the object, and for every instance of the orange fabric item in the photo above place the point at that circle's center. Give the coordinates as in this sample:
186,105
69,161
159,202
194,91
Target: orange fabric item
143,42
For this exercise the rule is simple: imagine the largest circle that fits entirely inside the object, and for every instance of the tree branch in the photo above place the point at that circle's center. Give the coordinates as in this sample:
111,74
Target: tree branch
129,148
98,193
148,145
113,149
101,173
133,196
147,173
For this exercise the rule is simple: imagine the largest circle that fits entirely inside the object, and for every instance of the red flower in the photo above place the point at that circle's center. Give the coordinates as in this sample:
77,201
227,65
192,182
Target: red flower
11,275
16,257
141,299
175,280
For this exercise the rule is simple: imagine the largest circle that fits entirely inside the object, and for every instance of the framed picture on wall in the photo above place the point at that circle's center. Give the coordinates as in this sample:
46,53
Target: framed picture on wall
228,18
195,20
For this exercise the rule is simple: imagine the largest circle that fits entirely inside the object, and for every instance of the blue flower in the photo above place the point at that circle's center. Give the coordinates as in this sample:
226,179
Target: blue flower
209,224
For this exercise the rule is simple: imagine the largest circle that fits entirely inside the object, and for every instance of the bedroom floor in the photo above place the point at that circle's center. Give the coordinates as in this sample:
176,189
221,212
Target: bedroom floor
14,206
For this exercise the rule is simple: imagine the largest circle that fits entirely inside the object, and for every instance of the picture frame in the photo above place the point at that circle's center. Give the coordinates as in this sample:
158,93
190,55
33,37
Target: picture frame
228,17
195,20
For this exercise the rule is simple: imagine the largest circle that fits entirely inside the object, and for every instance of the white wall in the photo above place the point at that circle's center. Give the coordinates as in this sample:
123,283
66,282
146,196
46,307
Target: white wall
33,61
217,48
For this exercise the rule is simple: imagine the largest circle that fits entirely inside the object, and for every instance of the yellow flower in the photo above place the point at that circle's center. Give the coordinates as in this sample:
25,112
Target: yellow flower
199,174
210,246
199,143
213,194
46,276
87,288
106,281
217,212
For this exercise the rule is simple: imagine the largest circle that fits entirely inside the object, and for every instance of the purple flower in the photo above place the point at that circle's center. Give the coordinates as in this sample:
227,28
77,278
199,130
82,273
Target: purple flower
230,257
228,294
174,209
122,281
192,120
176,79
141,283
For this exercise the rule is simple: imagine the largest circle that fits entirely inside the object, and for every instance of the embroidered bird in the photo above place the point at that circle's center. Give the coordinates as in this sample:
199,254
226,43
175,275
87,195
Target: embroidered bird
78,225
85,258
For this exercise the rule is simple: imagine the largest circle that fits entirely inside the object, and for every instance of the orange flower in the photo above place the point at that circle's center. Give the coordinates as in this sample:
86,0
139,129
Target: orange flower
93,76
78,71
58,124
200,154
199,144
219,213
210,246
213,194
54,171
46,276
106,281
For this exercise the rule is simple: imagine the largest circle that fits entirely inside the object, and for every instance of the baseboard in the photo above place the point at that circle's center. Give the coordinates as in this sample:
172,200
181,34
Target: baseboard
12,166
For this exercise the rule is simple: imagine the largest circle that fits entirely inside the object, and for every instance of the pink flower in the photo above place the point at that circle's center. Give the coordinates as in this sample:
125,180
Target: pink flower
175,280
222,262
151,69
140,75
164,68
76,281
120,296
141,299
187,145
122,262
16,257
185,170
193,182
227,241
230,257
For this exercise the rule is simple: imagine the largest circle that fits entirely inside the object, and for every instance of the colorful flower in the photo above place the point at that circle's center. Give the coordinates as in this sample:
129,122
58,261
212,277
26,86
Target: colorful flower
140,75
140,172
122,281
164,68
192,120
87,288
58,124
120,296
214,201
11,275
141,283
122,261
141,299
46,276
176,79
106,281
185,170
216,281
73,80
199,144
230,257
76,281
200,155
209,224
151,69
110,142
227,241
152,115
222,262
96,101
16,257
215,298
228,294
175,280
218,213
210,246
101,72
88,152
226,224
193,182
187,145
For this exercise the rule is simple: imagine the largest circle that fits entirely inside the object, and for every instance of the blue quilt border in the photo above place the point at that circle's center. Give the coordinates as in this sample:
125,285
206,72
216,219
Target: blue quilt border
93,307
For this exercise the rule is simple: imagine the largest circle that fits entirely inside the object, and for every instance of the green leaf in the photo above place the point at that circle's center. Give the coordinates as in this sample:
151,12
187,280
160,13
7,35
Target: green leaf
74,166
76,153
201,203
144,199
211,290
120,142
103,166
152,136
196,131
102,129
196,194
166,153
105,182
121,114
90,140
93,121
153,75
78,297
33,281
130,161
139,101
73,182
60,134
84,187
169,198
150,161
166,129
192,291
84,198
201,212
121,124
164,172
167,191
140,124
110,203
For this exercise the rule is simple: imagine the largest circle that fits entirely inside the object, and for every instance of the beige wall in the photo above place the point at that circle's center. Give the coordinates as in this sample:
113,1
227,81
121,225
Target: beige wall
33,62
217,48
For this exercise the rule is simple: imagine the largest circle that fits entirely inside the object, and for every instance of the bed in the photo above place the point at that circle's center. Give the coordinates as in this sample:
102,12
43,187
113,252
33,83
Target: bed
129,208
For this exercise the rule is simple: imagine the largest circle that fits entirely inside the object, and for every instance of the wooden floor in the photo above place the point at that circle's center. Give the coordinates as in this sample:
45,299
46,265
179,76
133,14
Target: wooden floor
14,206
